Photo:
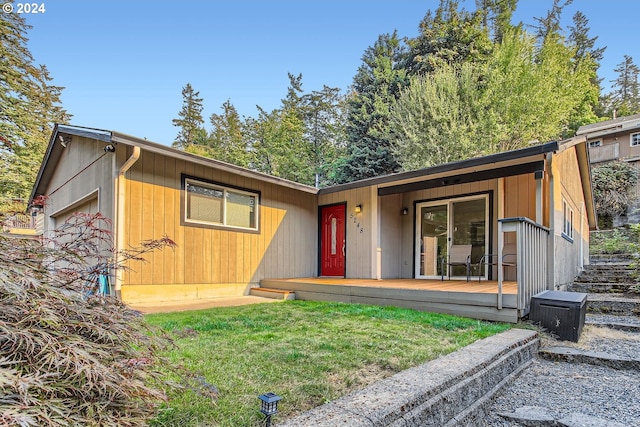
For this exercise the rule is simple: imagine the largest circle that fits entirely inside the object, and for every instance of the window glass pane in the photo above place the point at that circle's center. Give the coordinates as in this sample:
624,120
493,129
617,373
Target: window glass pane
204,203
334,230
241,210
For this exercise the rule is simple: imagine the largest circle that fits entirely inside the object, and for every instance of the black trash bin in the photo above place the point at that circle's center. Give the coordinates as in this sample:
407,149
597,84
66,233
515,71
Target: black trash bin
560,313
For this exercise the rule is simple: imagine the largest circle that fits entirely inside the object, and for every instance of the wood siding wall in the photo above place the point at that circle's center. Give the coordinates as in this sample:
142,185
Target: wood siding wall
210,262
392,224
443,193
396,231
84,174
569,255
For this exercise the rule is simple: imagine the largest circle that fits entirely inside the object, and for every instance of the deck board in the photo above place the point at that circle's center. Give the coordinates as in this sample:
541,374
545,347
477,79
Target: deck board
471,299
485,287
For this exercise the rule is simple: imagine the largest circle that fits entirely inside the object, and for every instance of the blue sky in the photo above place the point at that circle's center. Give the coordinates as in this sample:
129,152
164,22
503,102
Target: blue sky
123,63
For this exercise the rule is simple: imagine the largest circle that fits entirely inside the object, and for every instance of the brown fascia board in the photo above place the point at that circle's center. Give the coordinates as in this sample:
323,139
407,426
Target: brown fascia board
447,169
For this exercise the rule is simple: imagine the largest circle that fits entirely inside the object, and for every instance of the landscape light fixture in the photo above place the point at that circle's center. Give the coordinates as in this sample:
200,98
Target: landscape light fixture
269,406
358,208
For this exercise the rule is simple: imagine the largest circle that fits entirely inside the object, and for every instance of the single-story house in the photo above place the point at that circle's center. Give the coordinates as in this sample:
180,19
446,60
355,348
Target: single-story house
236,228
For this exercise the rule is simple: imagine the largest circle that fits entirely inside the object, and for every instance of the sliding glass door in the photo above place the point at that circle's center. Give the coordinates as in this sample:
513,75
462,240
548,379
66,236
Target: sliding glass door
440,224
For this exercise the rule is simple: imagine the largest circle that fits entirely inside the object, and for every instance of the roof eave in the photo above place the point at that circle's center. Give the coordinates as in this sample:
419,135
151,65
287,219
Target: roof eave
448,168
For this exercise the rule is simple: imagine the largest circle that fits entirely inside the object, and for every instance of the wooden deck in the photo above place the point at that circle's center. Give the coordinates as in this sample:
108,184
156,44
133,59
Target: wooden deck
474,299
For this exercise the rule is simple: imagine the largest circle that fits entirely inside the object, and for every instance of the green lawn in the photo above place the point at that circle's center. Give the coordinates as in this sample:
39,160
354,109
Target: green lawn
307,352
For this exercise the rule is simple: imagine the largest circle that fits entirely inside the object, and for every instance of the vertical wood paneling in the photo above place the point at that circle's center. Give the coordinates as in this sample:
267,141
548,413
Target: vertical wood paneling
146,268
224,257
282,232
134,218
170,215
158,217
179,229
285,245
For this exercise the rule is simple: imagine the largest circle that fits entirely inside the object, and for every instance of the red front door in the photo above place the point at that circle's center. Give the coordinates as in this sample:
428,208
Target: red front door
332,240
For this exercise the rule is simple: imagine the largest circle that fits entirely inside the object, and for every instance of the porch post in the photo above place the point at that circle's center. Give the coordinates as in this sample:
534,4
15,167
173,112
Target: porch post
551,243
500,272
538,176
376,272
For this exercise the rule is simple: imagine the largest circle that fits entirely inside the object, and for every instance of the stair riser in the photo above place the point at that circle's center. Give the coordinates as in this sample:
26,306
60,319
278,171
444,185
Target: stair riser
614,308
602,288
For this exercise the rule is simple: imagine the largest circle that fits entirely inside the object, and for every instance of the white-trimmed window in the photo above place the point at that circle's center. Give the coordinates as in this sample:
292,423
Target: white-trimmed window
596,143
219,205
567,220
635,139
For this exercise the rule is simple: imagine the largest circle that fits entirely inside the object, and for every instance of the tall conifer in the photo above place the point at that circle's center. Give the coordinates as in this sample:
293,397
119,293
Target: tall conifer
189,119
29,106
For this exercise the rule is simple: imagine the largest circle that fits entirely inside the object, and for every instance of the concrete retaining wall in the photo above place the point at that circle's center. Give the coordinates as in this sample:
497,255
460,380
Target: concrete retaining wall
453,390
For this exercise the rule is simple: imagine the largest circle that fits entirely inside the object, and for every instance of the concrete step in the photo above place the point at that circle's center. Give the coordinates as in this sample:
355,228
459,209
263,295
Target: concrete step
606,278
612,304
620,323
280,294
576,355
456,389
611,259
600,288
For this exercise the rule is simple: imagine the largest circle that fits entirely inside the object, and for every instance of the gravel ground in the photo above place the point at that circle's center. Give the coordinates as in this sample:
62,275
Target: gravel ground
565,388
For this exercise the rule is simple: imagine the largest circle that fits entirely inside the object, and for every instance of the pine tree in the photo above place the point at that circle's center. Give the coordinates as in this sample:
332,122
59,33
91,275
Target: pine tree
376,86
496,16
586,56
324,123
625,96
189,119
448,37
583,44
550,23
29,105
277,138
226,138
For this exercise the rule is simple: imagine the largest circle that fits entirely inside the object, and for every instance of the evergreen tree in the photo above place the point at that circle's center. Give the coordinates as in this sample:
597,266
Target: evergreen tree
583,44
496,16
226,139
448,37
625,96
376,86
29,105
586,55
190,120
277,139
324,123
550,23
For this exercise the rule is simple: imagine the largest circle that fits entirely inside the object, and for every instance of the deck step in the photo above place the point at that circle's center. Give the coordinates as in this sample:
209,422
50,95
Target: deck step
282,294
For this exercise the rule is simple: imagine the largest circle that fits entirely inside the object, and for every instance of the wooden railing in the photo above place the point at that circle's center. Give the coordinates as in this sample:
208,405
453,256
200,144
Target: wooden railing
19,221
24,224
532,269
